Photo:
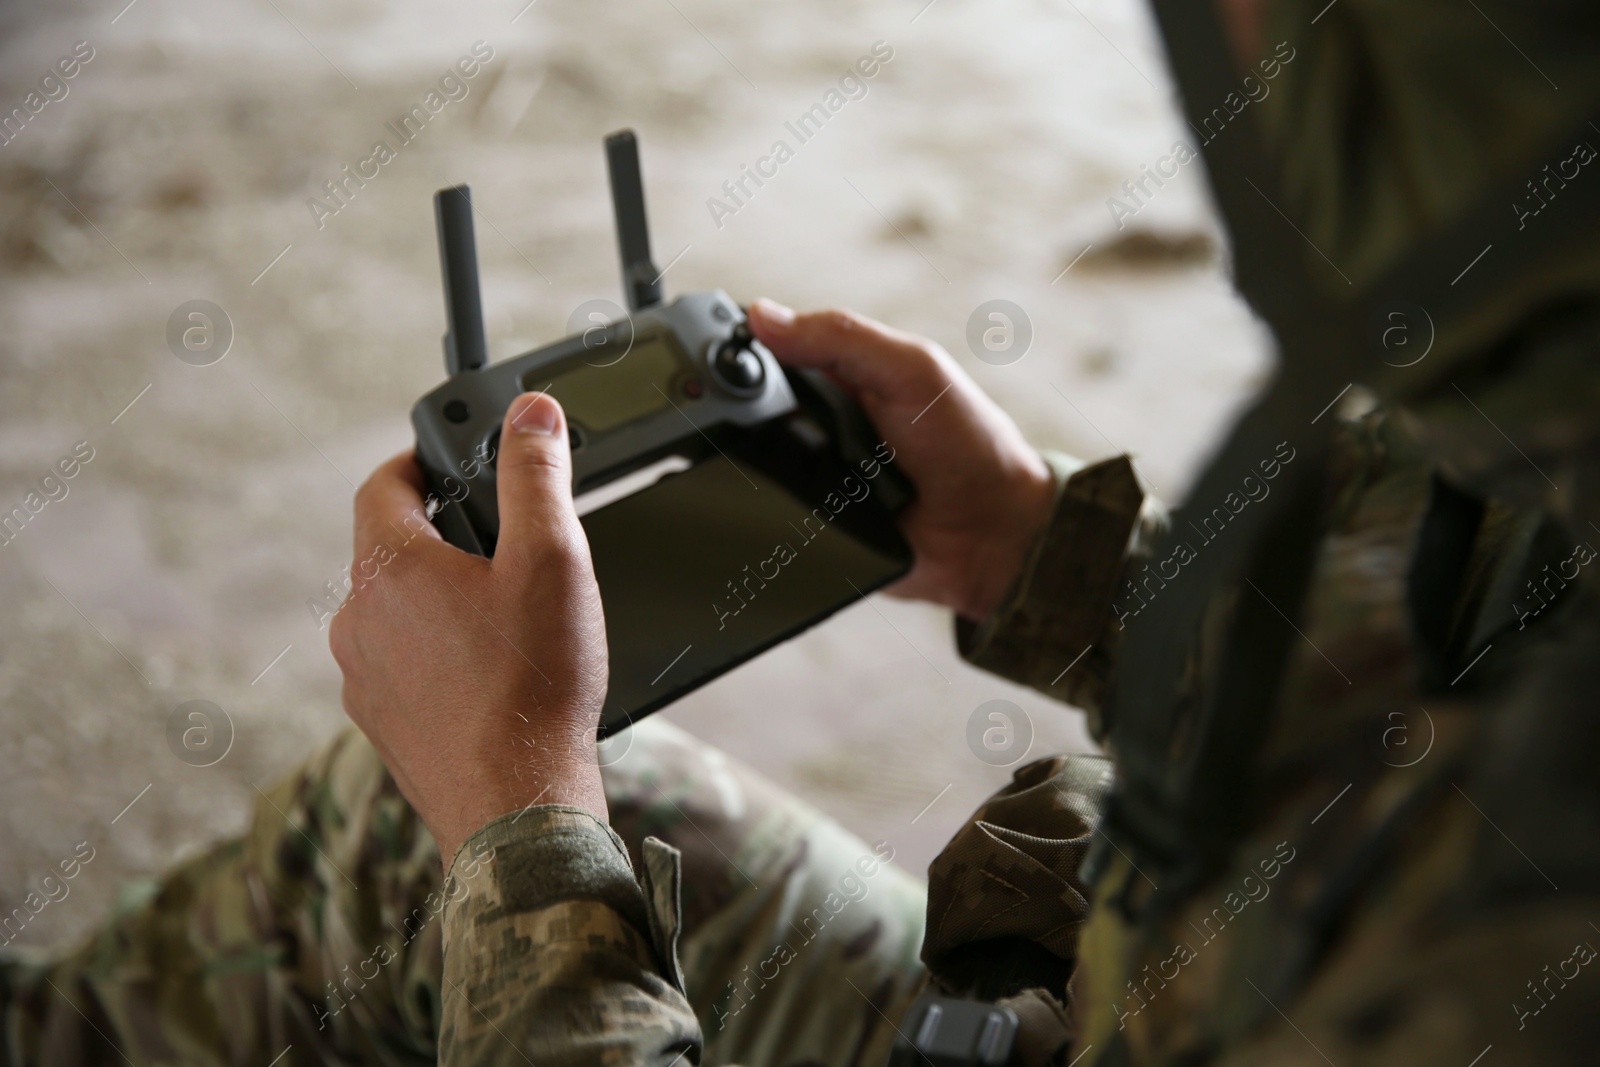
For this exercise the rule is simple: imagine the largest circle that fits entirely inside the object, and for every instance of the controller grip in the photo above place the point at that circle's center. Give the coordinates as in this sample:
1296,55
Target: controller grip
451,519
848,426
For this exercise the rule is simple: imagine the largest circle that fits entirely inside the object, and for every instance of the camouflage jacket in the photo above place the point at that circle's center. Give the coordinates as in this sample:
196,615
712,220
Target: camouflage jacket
1418,877
1411,726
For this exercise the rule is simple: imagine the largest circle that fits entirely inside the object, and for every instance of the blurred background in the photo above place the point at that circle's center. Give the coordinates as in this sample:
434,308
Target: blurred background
179,165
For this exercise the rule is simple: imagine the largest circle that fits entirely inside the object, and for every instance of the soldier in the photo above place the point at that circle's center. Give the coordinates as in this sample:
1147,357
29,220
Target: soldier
1355,804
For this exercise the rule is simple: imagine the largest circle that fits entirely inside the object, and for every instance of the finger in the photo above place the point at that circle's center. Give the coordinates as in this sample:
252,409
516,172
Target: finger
389,507
861,354
534,475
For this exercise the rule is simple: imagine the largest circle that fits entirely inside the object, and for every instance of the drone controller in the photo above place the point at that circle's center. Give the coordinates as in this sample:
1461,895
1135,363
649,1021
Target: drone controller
667,388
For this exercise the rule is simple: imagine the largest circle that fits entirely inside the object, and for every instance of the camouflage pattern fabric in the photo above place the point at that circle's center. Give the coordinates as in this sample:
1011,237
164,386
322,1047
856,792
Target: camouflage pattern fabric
1420,878
1398,901
1396,904
317,934
1419,883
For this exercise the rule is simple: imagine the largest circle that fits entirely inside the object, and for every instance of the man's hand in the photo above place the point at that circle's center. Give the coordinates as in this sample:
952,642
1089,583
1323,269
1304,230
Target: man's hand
982,492
479,681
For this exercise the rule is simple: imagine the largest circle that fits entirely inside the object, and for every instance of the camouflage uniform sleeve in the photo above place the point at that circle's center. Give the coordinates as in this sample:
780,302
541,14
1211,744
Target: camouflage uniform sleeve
1055,630
555,954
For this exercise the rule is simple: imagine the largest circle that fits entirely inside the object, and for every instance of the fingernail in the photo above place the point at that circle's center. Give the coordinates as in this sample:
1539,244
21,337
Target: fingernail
775,312
537,415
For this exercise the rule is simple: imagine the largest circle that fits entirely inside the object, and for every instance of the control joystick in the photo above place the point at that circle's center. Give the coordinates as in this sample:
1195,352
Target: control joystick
737,366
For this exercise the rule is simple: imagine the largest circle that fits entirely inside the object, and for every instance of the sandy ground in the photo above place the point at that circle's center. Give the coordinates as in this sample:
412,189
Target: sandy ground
179,167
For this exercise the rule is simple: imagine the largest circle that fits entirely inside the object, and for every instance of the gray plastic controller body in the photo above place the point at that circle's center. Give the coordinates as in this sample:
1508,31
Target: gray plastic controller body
458,424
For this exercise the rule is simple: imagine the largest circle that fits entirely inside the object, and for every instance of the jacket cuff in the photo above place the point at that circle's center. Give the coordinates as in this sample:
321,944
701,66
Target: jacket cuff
526,861
545,855
1051,630
553,954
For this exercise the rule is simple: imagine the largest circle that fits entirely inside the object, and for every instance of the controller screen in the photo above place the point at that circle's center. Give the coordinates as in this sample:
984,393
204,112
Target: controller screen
708,567
609,387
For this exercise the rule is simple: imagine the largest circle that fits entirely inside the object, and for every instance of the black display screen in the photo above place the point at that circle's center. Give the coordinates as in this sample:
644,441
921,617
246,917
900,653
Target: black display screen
745,549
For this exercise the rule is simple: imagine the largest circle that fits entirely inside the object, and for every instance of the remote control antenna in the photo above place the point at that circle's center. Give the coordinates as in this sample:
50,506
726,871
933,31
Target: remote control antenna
464,345
641,282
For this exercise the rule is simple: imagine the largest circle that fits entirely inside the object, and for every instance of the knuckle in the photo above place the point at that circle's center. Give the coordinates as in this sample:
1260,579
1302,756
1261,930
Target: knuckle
840,322
536,457
342,641
930,363
354,709
395,562
364,493
555,558
560,554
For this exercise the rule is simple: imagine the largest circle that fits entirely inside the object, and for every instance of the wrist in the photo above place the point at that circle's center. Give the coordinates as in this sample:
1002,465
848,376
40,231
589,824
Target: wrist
567,779
1029,504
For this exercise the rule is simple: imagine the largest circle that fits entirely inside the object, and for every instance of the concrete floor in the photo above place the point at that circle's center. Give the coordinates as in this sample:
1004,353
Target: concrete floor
179,166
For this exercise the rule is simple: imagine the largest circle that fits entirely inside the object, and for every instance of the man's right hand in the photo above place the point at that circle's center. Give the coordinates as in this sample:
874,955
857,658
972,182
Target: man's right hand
479,681
983,493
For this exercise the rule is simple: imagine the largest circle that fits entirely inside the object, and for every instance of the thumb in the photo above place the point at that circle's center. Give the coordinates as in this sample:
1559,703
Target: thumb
533,473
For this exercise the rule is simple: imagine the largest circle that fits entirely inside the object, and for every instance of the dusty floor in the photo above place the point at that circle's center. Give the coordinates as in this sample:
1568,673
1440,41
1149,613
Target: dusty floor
179,166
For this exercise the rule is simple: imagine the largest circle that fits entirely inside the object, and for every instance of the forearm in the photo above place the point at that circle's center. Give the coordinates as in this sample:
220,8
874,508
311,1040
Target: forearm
553,952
